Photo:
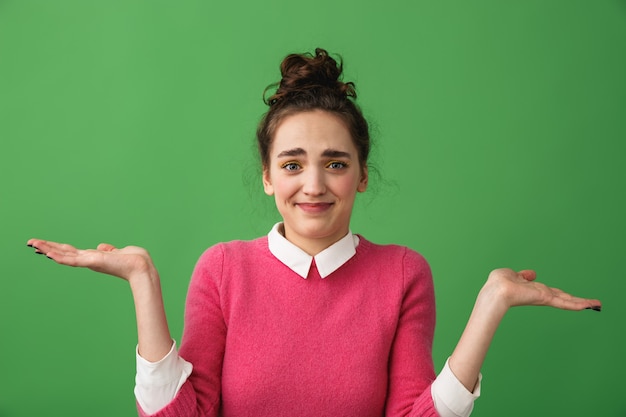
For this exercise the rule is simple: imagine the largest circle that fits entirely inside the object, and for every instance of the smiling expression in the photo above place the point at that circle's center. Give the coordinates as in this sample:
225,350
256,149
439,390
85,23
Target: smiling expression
314,174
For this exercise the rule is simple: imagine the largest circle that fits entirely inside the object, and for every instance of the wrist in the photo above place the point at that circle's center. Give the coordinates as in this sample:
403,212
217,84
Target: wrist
145,281
492,300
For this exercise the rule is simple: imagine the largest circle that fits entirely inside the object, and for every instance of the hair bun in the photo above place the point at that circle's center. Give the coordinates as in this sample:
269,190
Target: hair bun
307,73
309,83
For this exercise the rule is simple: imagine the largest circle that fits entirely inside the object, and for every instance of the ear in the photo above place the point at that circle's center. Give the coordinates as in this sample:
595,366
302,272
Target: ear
363,182
267,183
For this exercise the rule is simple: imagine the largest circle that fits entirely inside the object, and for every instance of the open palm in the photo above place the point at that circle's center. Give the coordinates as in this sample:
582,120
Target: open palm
124,263
520,289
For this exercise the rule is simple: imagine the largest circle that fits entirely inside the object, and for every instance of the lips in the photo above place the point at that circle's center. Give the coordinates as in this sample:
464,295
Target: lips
314,207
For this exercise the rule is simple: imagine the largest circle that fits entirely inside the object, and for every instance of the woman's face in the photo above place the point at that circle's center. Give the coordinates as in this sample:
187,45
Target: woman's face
314,174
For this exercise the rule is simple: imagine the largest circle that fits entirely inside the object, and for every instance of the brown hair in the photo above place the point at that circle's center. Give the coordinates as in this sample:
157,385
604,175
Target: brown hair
312,82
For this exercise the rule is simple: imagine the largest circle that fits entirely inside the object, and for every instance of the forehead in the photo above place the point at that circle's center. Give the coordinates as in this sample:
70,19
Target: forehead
313,131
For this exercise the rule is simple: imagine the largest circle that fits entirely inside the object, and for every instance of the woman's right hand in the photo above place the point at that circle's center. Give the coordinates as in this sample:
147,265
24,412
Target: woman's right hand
124,263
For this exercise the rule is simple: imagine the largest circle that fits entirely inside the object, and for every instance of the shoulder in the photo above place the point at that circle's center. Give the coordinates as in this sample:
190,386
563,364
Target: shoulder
397,259
392,252
235,250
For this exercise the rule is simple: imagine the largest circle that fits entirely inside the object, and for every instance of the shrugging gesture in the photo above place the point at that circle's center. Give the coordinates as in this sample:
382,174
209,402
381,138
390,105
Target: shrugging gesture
310,304
134,265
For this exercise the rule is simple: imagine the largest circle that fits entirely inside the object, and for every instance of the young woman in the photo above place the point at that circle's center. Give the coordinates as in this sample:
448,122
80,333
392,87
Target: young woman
310,320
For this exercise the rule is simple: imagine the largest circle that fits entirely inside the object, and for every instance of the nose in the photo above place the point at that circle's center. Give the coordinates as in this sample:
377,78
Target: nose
314,182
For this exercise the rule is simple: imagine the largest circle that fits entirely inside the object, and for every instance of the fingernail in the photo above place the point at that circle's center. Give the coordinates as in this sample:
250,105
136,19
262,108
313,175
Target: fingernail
594,308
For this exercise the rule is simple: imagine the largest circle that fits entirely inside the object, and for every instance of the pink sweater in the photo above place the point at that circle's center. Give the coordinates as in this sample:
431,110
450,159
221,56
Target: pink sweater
263,341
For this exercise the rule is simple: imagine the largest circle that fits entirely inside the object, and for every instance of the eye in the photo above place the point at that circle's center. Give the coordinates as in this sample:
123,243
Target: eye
336,165
291,166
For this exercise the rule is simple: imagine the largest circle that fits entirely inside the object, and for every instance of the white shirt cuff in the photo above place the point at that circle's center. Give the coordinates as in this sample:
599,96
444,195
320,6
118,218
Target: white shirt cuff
157,383
451,398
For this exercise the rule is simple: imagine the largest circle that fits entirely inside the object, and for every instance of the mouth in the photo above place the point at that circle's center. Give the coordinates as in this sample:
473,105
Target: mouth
314,207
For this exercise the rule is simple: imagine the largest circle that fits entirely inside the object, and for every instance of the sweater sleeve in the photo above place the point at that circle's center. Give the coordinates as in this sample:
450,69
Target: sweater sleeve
202,343
411,370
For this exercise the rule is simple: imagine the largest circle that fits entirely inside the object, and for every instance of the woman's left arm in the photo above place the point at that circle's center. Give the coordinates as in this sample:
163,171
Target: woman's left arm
504,289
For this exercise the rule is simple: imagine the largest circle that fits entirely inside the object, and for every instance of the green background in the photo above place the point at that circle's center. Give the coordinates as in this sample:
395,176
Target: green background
499,131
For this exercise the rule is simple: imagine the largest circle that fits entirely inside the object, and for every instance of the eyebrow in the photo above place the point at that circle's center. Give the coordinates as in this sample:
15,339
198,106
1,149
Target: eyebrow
329,153
292,152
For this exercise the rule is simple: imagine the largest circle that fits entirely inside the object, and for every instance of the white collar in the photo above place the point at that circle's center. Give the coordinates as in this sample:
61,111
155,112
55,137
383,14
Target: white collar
327,261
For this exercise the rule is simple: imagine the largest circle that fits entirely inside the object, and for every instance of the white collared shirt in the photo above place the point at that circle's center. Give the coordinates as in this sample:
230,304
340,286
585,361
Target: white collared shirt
327,261
157,383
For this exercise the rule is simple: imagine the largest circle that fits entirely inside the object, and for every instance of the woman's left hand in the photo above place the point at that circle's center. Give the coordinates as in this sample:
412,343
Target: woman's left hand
521,289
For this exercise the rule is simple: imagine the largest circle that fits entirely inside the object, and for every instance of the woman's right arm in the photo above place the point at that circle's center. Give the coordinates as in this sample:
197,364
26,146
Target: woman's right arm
134,265
204,337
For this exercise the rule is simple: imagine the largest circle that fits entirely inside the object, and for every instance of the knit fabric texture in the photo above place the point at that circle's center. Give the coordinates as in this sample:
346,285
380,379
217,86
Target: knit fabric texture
263,341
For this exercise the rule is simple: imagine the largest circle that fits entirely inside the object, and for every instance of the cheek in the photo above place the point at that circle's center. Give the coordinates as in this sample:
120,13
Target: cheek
348,186
284,187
